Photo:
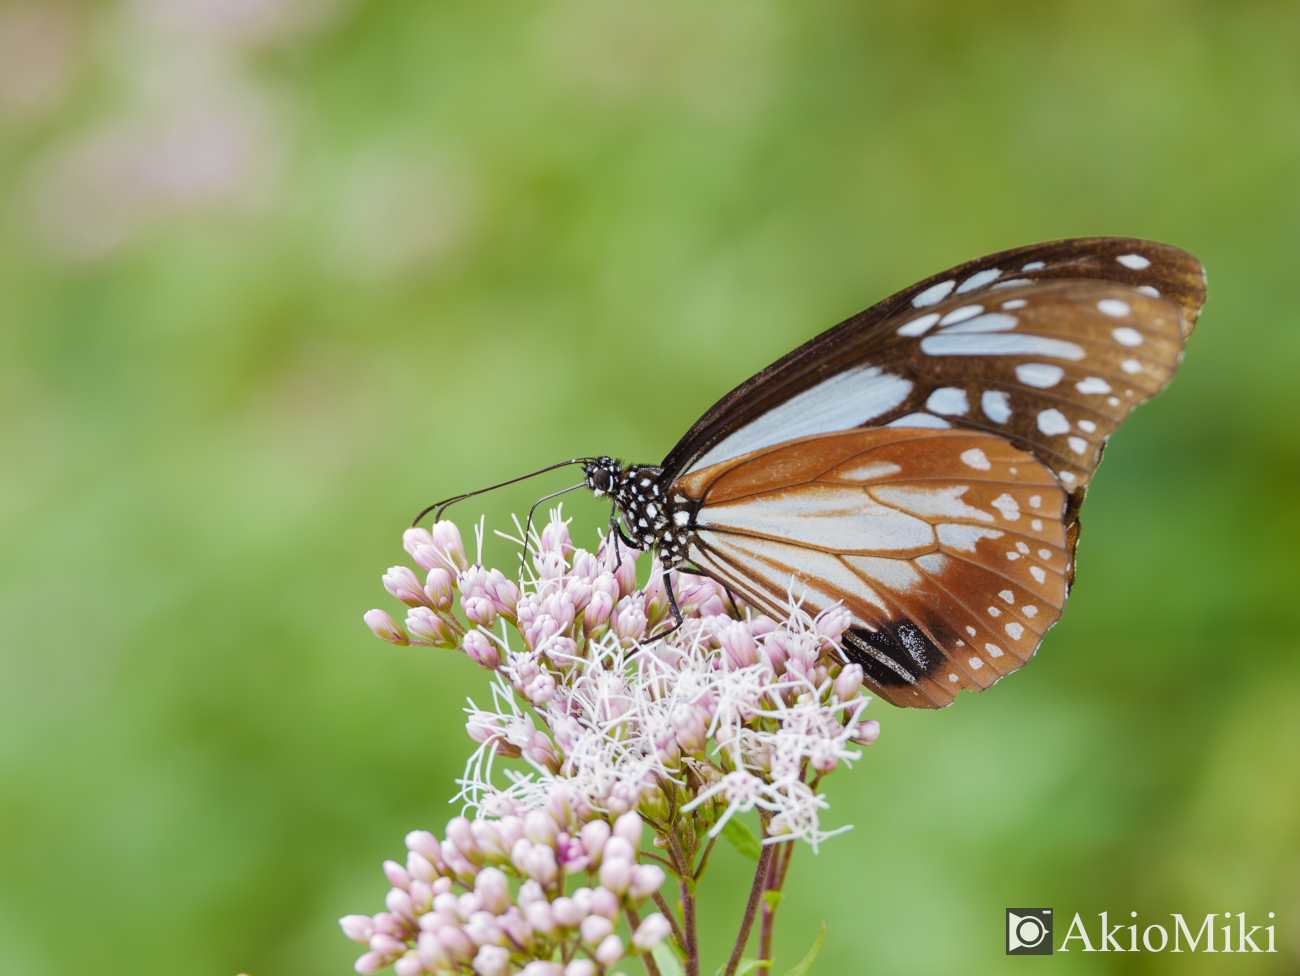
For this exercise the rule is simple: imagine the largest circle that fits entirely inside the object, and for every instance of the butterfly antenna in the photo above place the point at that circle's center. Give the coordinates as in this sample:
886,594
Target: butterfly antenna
442,505
528,526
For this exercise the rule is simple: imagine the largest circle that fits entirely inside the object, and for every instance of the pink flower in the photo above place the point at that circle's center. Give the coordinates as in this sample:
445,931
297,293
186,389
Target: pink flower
385,627
427,627
849,682
438,588
652,930
867,732
405,585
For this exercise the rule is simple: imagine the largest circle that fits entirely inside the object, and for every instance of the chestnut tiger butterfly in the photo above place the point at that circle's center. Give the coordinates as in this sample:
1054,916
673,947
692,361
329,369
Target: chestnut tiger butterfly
923,463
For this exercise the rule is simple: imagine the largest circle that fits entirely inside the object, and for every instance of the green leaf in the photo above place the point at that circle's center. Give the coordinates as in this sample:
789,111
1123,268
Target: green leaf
746,965
773,898
666,959
806,962
742,839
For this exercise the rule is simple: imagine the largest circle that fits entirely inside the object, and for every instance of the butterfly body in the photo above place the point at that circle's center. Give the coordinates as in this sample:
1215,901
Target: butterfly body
923,463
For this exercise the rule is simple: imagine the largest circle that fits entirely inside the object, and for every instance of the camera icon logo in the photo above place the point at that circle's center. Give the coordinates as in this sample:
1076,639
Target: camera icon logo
1029,931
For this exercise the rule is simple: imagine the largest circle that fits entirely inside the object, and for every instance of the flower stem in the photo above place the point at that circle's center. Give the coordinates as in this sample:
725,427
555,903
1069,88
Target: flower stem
775,880
751,908
634,923
671,915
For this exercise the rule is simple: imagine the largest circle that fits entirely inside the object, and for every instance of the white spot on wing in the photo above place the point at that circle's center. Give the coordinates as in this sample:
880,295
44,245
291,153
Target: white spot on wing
1014,303
1113,307
993,649
1008,506
837,518
955,535
893,574
1092,384
949,401
993,322
976,664
868,471
1127,337
1029,610
996,406
845,400
933,295
1014,631
979,279
1149,290
1131,366
918,326
1086,425
919,420
1042,375
975,458
1134,261
961,314
1077,444
952,678
1033,266
1008,596
1037,573
1066,476
1017,344
1035,501
1052,421
930,502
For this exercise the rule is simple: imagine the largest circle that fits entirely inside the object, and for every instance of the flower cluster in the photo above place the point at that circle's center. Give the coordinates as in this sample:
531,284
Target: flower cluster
609,710
511,913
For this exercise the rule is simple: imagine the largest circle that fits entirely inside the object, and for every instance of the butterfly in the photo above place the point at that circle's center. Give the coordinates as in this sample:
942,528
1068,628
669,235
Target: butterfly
923,463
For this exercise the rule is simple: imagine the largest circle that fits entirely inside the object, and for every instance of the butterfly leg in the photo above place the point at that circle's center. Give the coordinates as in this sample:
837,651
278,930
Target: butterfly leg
672,603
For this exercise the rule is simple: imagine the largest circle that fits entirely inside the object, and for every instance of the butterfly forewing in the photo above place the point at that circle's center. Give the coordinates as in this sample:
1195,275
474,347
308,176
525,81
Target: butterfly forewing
946,546
923,462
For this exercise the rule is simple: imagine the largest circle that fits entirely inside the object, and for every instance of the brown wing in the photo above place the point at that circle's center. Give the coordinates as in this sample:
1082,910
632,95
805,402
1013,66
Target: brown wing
947,546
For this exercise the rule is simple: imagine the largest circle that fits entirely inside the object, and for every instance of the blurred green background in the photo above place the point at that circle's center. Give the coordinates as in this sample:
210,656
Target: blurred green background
274,274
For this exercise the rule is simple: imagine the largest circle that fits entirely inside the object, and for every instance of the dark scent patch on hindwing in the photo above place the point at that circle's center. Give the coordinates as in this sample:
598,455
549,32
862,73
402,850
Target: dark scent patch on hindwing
893,655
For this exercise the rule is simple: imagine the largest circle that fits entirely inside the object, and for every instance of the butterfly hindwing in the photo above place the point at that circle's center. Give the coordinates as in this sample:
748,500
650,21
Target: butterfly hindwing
946,546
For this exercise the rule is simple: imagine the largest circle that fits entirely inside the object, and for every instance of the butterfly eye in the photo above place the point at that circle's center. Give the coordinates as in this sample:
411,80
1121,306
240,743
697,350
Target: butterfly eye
600,480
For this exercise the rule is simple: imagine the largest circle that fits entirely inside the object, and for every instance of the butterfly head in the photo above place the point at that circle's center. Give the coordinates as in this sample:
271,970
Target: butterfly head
603,475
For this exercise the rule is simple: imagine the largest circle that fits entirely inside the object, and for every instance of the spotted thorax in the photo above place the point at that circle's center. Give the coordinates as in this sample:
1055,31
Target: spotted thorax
603,728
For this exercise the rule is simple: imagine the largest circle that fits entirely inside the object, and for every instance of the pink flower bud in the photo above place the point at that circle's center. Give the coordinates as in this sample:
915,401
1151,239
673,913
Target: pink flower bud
604,902
630,828
438,588
609,951
456,943
540,828
540,689
387,945
491,961
539,917
457,862
510,829
619,848
431,954
427,627
504,593
460,833
630,621
412,539
529,891
385,627
482,650
397,875
594,836
580,967
652,930
428,558
479,610
565,911
833,622
358,928
555,538
400,904
848,682
646,880
421,893
822,756
691,726
594,928
445,904
597,612
539,864
419,866
370,962
446,539
409,966
405,585
424,843
389,924
739,648
482,929
867,733
493,889
616,874
542,967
